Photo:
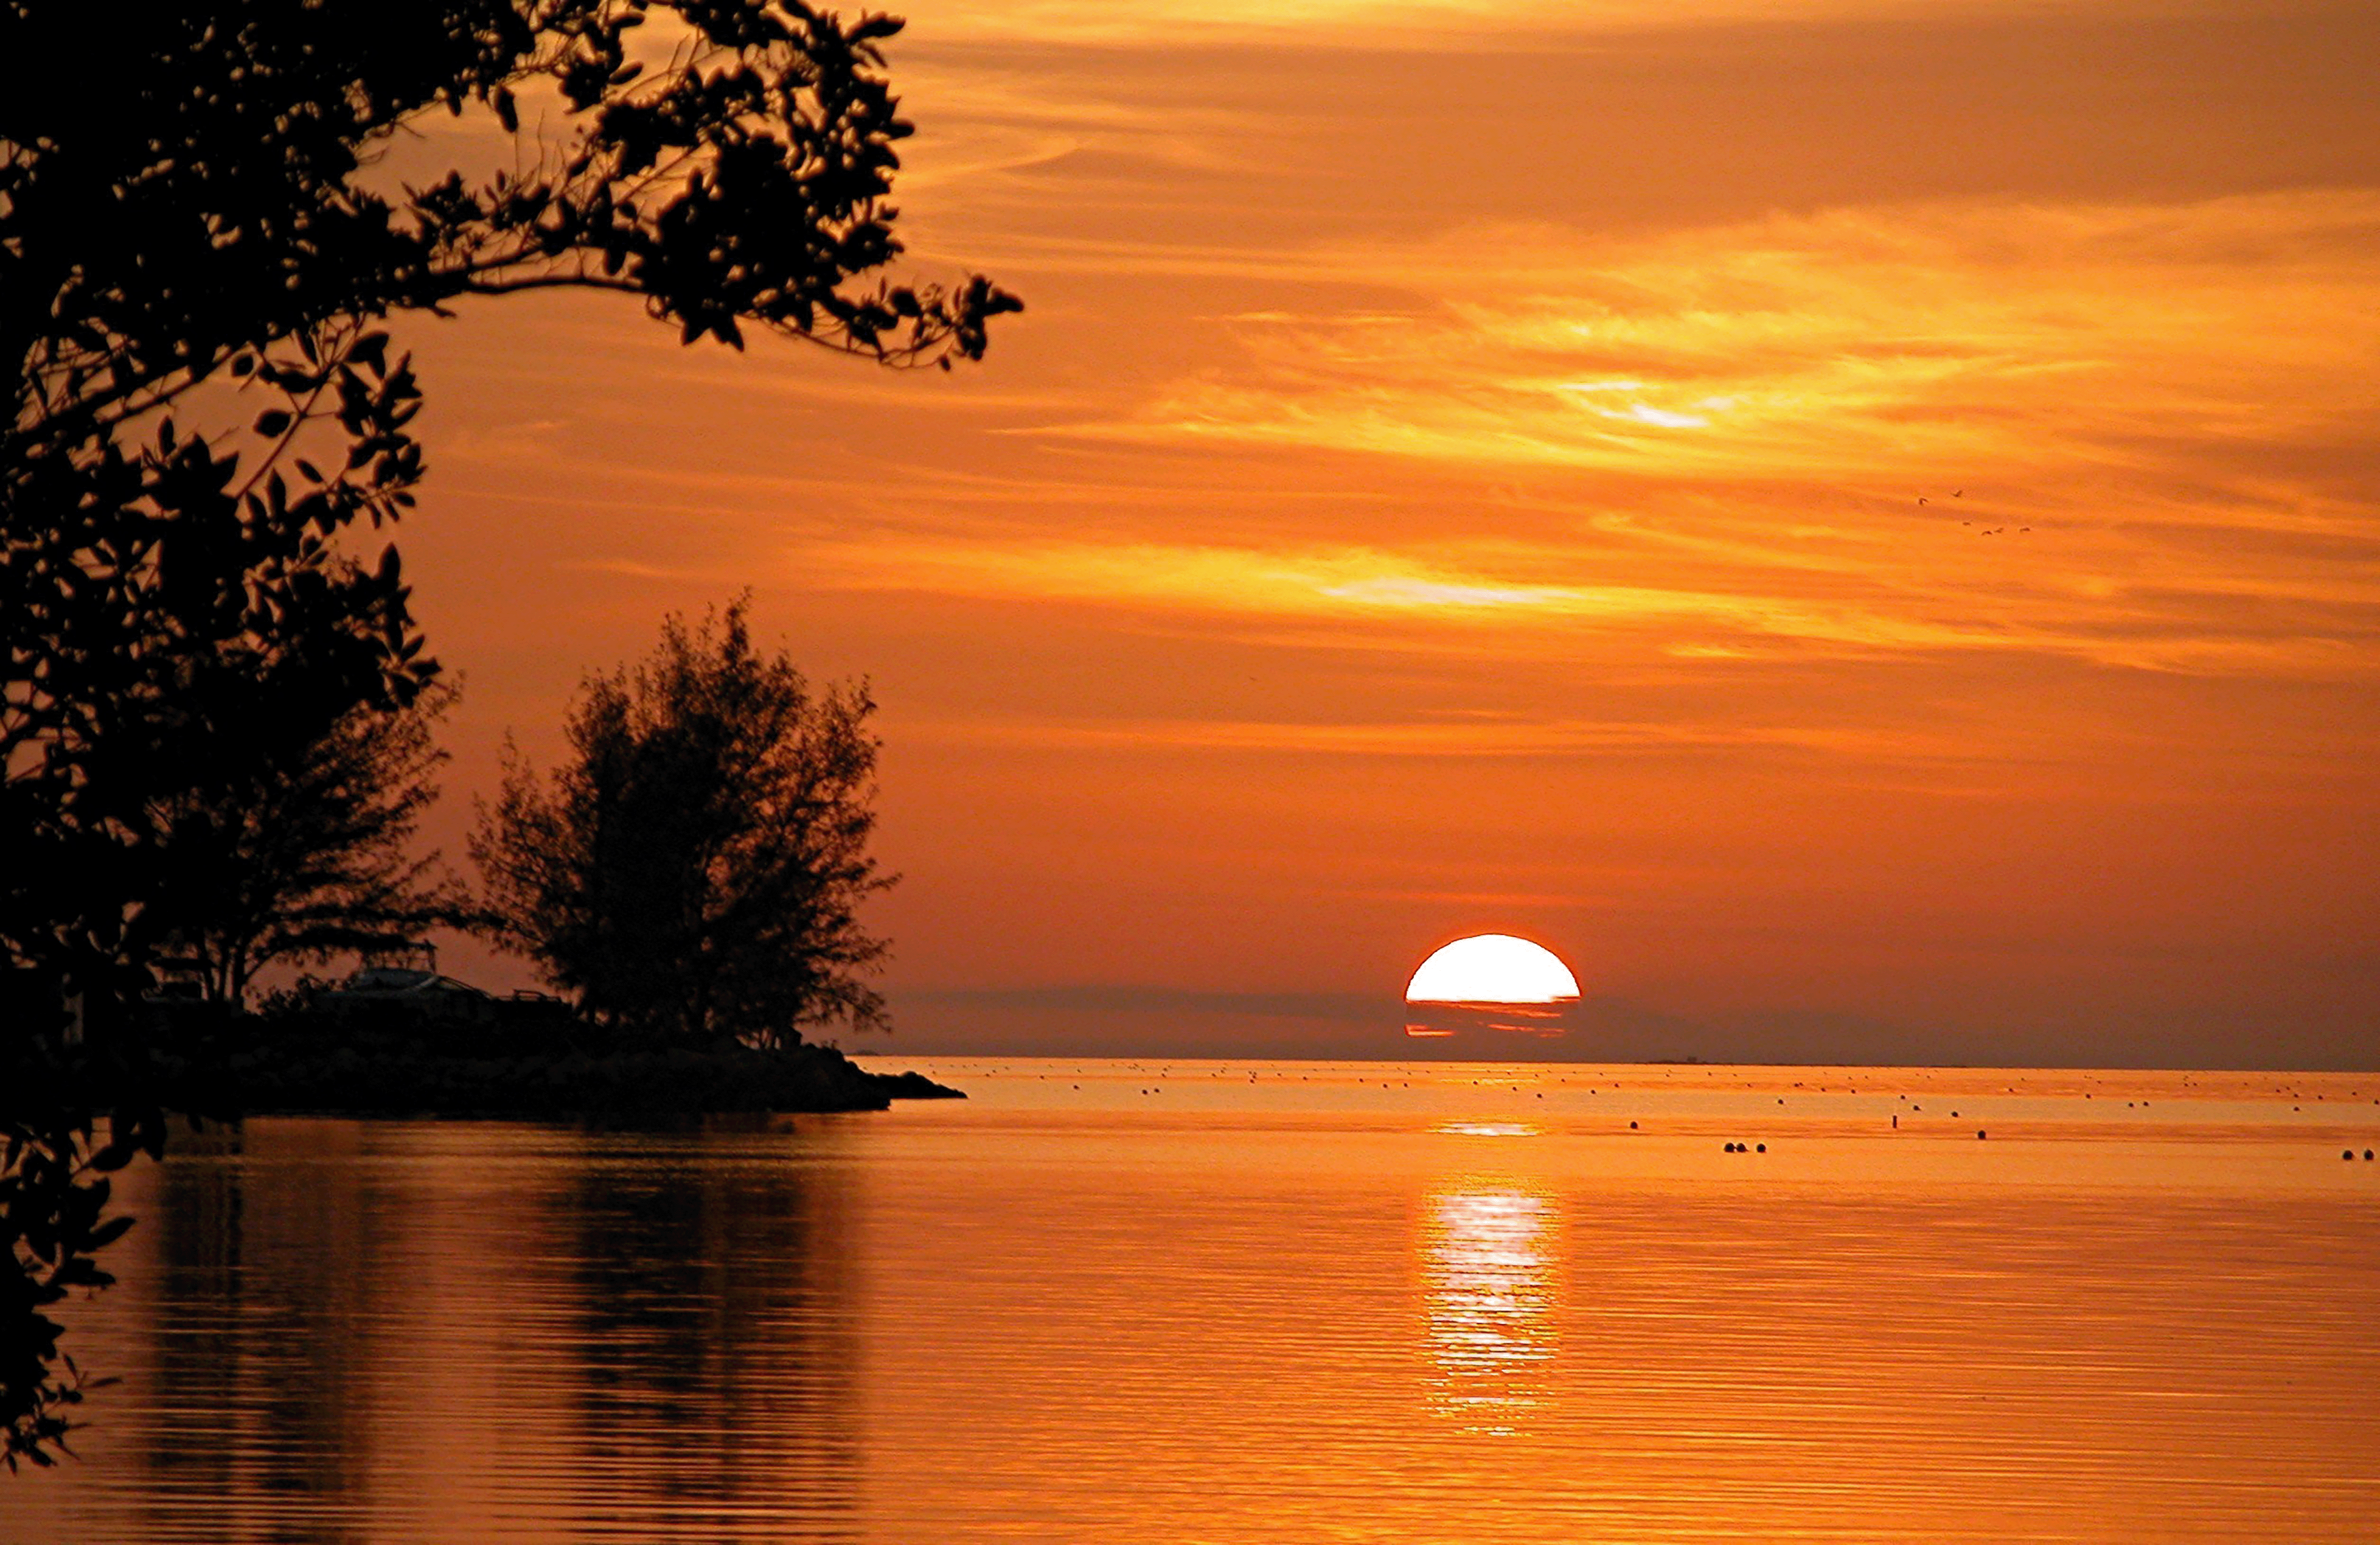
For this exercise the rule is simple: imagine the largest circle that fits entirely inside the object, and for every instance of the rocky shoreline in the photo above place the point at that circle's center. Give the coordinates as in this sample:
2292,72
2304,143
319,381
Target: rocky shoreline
321,1065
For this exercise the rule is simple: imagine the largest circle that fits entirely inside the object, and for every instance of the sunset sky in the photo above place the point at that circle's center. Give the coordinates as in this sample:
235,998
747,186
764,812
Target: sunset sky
1856,524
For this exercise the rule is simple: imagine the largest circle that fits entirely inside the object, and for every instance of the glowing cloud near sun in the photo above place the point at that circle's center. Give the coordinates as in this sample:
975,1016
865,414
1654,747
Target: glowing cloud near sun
1492,969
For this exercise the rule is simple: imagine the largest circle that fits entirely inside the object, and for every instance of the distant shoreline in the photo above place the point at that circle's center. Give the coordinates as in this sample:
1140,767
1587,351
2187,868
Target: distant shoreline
2075,1070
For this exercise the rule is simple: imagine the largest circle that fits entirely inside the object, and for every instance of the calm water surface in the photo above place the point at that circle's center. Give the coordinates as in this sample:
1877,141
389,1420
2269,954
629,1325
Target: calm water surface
1272,1302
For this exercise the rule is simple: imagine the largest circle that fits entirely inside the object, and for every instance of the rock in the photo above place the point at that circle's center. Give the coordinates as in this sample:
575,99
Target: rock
916,1086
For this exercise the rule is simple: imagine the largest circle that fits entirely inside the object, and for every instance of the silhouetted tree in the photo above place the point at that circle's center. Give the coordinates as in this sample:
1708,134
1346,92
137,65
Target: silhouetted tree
309,853
195,228
693,871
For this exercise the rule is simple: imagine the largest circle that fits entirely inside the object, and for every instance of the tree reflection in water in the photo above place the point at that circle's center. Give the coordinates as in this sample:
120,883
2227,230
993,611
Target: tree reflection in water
446,1331
262,1303
719,1352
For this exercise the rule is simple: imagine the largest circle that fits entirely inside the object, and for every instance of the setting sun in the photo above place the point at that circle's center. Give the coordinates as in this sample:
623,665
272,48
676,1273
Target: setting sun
1492,969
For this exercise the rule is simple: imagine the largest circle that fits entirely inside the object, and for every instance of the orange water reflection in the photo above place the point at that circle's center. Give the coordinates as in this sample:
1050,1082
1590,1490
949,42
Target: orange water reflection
1487,1253
1253,1304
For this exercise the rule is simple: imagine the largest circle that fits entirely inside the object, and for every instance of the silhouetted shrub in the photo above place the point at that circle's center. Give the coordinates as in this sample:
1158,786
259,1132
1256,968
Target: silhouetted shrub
692,870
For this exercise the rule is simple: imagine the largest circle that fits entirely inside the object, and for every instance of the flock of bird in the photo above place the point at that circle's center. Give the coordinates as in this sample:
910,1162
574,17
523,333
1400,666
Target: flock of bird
1986,531
2347,1154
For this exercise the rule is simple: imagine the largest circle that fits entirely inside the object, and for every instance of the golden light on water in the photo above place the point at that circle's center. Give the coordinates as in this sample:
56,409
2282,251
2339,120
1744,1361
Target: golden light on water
1290,1300
1487,1257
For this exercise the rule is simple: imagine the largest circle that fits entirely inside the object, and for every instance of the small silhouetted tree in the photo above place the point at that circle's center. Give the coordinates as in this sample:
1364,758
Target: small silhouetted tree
309,853
200,237
692,872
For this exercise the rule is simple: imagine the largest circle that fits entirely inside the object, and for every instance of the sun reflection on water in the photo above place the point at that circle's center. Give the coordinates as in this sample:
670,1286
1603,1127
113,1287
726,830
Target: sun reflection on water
1490,1291
1488,1129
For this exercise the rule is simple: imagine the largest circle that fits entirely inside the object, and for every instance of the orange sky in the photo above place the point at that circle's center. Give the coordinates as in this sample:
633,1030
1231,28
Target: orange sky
1461,470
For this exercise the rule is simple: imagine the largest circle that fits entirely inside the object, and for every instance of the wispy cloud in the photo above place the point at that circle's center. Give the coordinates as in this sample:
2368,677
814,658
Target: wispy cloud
1376,24
1353,585
2140,435
1927,343
1489,600
1464,739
